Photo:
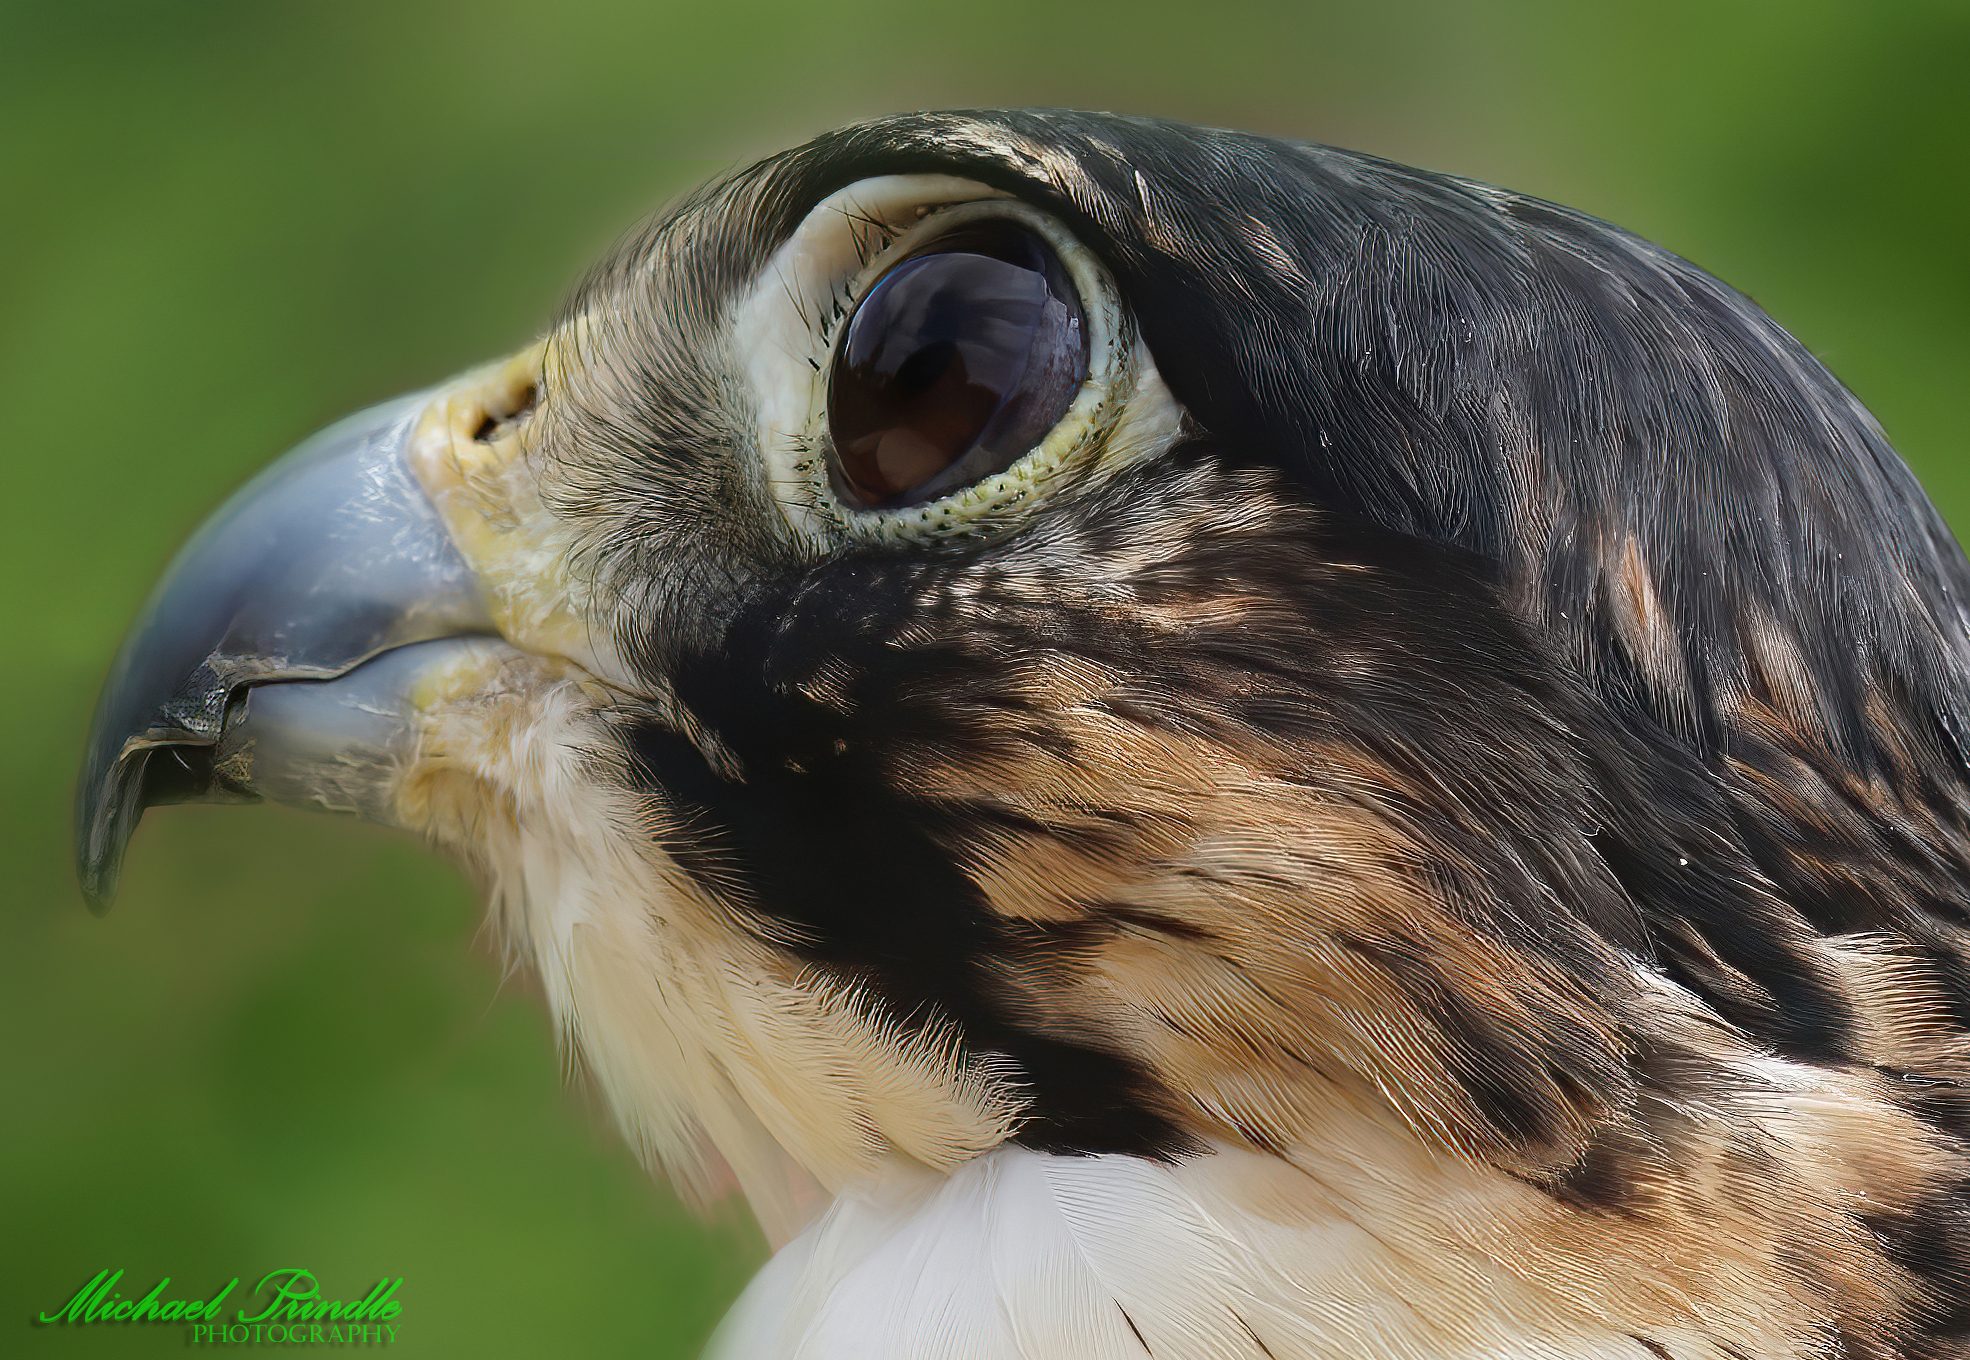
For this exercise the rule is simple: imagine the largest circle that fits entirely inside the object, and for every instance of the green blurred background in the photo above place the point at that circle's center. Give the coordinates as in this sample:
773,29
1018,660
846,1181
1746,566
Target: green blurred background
223,224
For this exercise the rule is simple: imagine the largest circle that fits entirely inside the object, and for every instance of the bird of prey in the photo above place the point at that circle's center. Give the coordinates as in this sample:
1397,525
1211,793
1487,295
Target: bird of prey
1163,743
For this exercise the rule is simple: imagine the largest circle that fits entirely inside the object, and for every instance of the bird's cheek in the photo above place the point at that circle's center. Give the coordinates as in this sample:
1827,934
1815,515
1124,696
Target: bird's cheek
488,737
474,452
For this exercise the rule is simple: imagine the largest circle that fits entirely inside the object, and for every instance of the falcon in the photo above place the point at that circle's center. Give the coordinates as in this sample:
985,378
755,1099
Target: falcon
1163,743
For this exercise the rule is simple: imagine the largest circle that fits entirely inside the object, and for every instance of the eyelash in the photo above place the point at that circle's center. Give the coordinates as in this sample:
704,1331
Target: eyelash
873,237
842,296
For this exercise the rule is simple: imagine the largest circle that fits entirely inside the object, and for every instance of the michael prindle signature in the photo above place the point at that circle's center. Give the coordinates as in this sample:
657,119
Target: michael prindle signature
285,1308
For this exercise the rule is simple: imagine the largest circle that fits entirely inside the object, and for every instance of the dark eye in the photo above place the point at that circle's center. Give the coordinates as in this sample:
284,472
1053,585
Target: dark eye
956,363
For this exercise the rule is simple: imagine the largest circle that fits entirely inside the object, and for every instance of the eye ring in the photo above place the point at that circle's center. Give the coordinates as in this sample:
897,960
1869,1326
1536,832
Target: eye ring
985,505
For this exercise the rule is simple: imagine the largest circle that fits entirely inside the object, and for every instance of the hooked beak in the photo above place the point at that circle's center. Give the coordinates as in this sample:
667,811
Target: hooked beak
280,655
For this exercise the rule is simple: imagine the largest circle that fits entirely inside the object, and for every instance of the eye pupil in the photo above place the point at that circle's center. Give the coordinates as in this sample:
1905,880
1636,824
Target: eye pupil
921,370
954,365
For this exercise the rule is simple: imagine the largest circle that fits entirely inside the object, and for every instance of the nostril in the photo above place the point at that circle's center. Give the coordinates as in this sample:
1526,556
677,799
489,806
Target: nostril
496,422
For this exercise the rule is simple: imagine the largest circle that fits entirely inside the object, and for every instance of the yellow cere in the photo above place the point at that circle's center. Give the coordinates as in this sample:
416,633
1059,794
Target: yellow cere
472,458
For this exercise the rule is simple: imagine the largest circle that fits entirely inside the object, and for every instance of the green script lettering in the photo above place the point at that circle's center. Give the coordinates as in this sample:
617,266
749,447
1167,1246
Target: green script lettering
87,1301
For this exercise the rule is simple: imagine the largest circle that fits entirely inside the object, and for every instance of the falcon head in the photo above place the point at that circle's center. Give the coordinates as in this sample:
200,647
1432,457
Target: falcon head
1048,639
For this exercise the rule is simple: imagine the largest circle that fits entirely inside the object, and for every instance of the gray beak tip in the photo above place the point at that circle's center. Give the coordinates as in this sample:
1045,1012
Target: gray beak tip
98,889
125,773
106,812
109,802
